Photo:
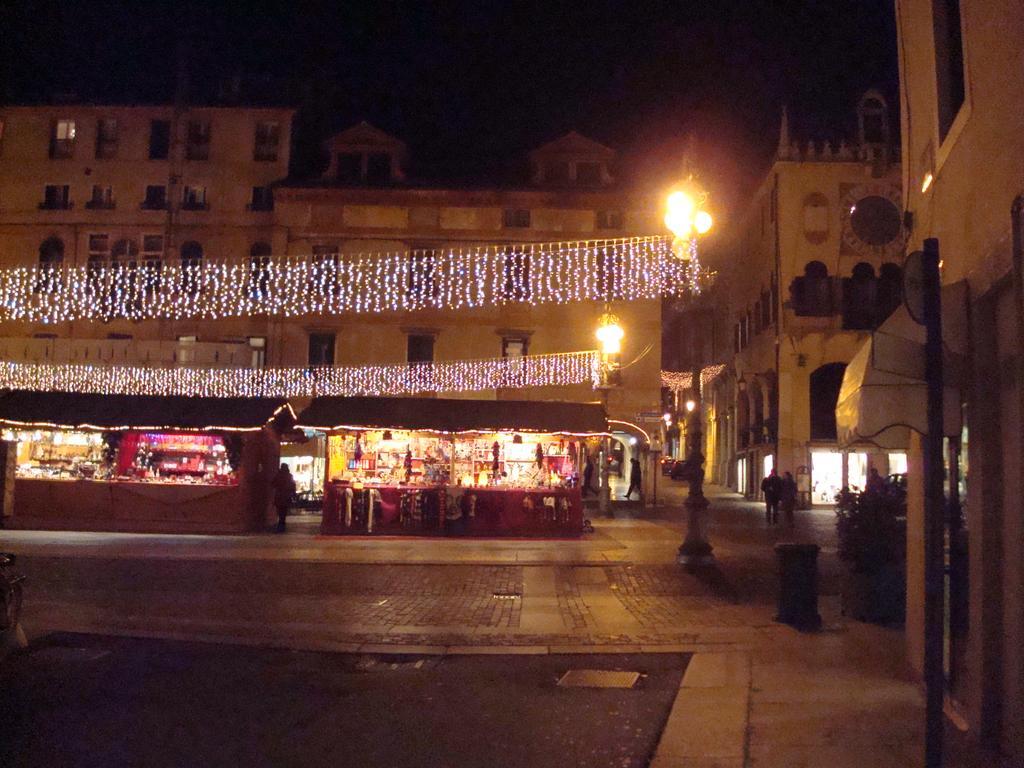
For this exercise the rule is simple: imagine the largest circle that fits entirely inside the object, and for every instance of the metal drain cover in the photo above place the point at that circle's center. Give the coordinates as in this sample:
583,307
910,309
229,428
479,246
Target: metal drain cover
598,678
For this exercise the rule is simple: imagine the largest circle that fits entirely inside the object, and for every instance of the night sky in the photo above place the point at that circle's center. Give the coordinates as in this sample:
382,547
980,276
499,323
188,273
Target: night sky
472,86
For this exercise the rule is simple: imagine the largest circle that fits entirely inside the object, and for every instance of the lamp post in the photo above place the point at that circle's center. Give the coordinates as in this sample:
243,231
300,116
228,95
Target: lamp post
610,334
686,219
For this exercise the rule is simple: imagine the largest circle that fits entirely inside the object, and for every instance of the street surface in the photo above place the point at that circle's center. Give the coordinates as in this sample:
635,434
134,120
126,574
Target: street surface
99,701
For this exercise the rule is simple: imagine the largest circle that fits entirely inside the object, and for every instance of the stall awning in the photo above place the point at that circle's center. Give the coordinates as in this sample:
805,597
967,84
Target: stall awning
453,415
68,410
883,395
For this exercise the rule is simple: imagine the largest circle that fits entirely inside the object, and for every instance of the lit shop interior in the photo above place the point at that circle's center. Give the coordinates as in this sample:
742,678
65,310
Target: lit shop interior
431,466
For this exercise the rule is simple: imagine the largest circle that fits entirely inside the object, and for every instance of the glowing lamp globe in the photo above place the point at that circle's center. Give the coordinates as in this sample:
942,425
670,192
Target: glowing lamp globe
679,214
610,334
702,222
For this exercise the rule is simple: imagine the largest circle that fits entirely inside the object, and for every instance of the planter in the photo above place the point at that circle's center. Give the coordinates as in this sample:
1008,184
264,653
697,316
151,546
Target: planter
877,596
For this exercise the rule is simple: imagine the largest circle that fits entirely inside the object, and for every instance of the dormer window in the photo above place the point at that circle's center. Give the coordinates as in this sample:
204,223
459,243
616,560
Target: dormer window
588,174
558,172
350,167
378,168
364,155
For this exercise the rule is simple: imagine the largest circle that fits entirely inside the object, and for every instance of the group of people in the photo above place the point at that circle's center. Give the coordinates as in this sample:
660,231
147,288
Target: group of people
779,491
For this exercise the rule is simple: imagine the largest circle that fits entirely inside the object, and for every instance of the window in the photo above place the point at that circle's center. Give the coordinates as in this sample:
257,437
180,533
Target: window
124,263
514,346
812,293
517,218
197,143
106,138
156,198
321,349
102,198
259,266
191,266
949,62
125,253
890,290
609,219
262,199
423,286
62,139
588,174
558,172
350,167
267,141
193,198
517,275
258,351
56,197
326,265
859,297
186,352
99,246
420,348
152,261
99,256
159,139
51,255
378,168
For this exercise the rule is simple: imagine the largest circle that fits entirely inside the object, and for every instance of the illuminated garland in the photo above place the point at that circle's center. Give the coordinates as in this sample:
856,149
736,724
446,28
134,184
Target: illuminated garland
374,380
681,380
290,286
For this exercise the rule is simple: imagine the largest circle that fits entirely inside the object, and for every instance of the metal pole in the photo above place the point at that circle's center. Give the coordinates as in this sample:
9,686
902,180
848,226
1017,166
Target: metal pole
695,550
934,565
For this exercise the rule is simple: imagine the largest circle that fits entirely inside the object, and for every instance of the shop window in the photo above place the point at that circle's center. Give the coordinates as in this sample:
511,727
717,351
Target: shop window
824,391
515,346
106,138
257,351
51,256
378,169
517,218
859,297
267,141
191,266
419,348
197,142
62,139
890,290
56,197
321,349
156,198
517,275
186,352
949,62
159,139
259,269
812,293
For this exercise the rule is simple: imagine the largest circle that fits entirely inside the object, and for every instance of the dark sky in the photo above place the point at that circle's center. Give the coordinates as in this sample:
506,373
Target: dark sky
471,86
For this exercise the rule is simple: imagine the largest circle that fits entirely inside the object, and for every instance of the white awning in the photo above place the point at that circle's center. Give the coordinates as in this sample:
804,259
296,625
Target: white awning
884,395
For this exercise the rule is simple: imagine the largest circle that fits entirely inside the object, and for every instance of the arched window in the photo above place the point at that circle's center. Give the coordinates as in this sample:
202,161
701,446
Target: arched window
51,255
812,293
824,390
191,266
890,290
859,294
259,263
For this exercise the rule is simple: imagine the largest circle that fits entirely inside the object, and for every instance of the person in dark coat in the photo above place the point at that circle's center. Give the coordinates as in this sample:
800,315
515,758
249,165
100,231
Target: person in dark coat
788,498
635,477
771,486
588,476
284,493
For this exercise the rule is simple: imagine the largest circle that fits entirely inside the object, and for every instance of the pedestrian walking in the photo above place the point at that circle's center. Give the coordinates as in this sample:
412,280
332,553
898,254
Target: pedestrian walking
788,497
284,492
635,478
771,486
588,476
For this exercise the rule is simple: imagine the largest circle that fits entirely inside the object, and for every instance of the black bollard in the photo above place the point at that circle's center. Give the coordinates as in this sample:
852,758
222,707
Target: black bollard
798,585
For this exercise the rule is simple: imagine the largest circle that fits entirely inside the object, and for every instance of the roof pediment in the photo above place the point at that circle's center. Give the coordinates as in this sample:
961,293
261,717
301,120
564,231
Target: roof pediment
365,137
573,144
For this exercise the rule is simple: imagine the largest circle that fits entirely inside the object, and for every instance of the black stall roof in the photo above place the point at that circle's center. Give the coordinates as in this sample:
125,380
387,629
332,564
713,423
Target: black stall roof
71,410
452,415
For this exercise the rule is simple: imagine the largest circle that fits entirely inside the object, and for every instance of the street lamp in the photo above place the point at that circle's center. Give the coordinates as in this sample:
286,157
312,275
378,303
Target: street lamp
686,218
610,334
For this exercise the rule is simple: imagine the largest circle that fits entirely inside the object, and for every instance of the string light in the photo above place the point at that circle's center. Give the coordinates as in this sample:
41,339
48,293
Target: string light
531,274
681,380
372,380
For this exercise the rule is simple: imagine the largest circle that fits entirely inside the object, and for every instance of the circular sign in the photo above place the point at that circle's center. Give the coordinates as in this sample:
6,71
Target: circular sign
876,220
913,286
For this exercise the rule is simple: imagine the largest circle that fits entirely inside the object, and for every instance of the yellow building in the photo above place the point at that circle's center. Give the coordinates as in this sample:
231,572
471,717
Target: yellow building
962,86
812,268
136,198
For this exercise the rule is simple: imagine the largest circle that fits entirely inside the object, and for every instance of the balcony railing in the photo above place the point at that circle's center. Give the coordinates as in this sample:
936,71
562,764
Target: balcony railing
561,369
334,284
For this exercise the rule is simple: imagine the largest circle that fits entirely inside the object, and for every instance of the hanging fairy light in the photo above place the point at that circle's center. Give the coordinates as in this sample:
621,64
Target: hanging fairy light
563,369
530,274
681,380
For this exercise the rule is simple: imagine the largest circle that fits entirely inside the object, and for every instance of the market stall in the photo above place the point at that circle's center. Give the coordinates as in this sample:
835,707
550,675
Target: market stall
125,463
453,467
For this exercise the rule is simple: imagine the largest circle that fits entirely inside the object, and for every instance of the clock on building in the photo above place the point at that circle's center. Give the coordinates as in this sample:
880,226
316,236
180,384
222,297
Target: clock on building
871,222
